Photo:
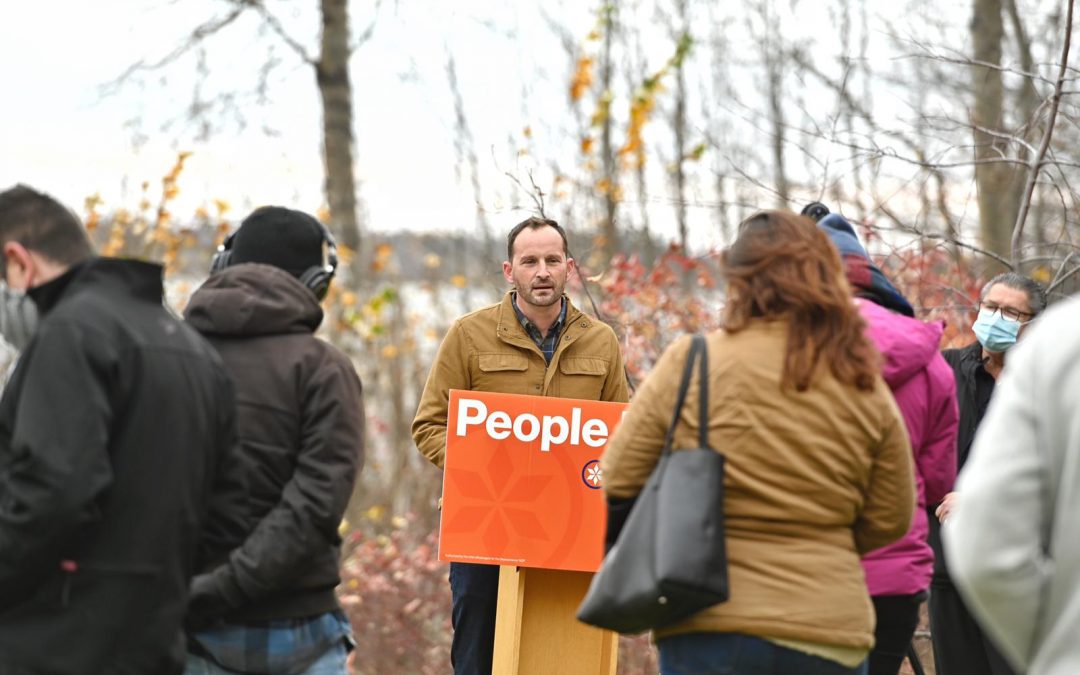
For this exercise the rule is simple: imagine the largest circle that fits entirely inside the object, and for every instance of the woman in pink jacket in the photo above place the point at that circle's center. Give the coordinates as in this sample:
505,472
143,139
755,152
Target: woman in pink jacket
898,576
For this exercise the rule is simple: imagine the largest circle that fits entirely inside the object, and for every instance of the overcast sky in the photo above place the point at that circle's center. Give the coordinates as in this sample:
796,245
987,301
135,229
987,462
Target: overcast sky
61,133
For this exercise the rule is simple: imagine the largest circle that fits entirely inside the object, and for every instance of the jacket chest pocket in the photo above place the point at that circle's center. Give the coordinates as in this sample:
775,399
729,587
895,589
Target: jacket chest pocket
506,373
580,377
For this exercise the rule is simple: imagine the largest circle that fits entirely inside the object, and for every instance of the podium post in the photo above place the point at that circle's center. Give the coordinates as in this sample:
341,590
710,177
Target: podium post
536,629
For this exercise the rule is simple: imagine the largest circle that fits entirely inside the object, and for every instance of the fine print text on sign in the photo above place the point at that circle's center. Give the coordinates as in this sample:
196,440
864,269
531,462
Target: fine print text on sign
522,480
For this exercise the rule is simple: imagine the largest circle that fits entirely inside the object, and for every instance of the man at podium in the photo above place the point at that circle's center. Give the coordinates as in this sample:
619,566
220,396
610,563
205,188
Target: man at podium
534,342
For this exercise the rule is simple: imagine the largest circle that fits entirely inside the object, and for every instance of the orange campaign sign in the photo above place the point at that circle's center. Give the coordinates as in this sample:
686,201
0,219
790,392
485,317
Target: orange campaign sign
522,482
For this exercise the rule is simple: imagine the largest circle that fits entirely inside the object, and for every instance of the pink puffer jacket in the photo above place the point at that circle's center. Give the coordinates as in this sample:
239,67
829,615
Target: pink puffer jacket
925,390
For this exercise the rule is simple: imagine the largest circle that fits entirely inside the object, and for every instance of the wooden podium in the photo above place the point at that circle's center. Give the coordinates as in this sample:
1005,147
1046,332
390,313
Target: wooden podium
522,490
536,629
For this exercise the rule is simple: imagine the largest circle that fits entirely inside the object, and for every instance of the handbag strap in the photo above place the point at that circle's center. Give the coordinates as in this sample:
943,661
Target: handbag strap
699,354
703,395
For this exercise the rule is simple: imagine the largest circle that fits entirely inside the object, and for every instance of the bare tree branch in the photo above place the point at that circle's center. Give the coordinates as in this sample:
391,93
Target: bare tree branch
943,237
366,34
199,34
962,60
535,193
1060,278
1009,138
275,25
1037,162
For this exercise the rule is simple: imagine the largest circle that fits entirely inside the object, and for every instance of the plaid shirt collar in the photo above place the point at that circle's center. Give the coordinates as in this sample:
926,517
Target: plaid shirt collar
546,343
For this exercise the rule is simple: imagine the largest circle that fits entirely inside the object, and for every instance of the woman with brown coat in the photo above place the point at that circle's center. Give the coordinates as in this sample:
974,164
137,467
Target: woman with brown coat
818,462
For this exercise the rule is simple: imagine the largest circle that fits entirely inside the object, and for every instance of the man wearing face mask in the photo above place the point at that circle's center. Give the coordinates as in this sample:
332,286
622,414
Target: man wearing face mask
1008,303
18,317
18,320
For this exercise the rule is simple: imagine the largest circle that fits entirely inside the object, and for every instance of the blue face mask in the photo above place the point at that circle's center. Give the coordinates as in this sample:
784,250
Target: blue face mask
995,332
18,317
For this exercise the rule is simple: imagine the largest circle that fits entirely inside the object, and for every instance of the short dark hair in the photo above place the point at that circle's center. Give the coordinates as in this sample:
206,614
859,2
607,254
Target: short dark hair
534,223
43,225
1036,292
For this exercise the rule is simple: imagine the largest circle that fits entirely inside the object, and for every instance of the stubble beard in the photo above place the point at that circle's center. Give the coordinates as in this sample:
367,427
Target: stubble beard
530,297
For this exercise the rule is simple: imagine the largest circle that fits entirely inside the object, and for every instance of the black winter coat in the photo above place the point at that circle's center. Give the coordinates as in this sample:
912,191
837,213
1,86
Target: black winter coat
973,388
274,550
110,430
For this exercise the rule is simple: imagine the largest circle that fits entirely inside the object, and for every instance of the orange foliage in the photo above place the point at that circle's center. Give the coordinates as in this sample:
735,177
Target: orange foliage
645,100
153,233
583,78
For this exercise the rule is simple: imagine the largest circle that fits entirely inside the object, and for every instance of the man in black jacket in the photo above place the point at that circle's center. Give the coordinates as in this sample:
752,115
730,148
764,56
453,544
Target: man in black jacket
111,430
265,601
1007,304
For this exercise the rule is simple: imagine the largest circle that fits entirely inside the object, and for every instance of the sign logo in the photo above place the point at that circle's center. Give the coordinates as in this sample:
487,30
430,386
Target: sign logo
592,475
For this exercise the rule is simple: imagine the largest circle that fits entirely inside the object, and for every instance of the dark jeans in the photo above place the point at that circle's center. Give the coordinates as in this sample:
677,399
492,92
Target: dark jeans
475,590
897,619
735,654
960,646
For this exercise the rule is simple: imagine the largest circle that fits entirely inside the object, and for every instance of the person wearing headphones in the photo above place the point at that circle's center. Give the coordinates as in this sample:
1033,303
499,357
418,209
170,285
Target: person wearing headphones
263,601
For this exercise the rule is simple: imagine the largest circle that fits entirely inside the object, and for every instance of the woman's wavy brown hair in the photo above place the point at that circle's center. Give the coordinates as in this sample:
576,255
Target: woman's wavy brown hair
782,266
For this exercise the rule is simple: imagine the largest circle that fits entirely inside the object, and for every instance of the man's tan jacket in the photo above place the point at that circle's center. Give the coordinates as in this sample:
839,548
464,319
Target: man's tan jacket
489,350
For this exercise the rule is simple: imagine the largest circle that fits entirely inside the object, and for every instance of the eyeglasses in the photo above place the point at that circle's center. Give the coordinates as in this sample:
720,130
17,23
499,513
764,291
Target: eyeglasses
1007,313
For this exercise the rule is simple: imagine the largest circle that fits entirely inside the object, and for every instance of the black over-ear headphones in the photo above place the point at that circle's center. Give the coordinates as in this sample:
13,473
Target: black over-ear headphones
815,210
317,277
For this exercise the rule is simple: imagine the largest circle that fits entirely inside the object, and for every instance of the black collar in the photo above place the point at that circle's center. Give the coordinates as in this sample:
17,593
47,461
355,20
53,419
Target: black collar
134,278
46,295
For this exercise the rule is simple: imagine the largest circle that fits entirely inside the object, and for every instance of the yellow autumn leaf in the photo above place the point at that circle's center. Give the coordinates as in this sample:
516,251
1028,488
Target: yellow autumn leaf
345,254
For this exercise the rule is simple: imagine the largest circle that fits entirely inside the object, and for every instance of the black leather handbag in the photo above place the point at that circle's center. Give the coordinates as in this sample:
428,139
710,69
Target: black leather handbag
670,561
